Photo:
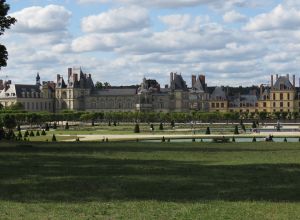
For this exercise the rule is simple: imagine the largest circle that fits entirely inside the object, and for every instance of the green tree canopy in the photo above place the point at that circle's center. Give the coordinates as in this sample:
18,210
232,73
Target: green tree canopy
5,23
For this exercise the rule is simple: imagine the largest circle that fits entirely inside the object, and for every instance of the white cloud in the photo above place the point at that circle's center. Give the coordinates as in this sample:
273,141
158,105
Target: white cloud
234,16
280,18
40,20
117,20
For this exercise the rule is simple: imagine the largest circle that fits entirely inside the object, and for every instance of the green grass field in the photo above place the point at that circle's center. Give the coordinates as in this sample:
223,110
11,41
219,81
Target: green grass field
149,180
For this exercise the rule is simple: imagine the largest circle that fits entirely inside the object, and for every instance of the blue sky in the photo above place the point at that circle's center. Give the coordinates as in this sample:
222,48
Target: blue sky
233,42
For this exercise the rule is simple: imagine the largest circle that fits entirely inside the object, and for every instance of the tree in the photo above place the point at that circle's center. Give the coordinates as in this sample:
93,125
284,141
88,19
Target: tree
9,121
5,23
99,85
67,126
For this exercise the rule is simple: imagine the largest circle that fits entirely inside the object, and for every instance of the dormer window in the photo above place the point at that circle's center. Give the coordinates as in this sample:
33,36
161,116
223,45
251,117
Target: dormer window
6,94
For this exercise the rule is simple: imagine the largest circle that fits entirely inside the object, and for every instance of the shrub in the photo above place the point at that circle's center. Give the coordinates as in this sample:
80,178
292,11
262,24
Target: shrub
254,124
152,127
172,123
285,140
163,139
77,139
193,140
161,126
18,128
254,139
47,127
115,123
109,123
31,134
207,130
26,134
67,126
2,133
43,132
54,125
236,130
37,133
53,138
233,139
19,135
136,128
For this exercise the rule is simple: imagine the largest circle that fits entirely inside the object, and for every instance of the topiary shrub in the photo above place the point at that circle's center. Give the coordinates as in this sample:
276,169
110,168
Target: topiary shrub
67,126
193,140
254,125
26,134
37,133
236,130
54,125
163,139
77,139
31,134
18,128
19,135
161,126
43,132
115,123
254,139
136,128
53,138
47,127
285,140
152,127
207,130
173,124
233,139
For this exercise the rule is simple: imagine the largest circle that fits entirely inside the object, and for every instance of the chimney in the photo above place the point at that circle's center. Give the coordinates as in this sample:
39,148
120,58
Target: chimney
272,81
75,77
171,77
261,90
90,76
294,81
57,78
69,72
288,76
193,80
202,79
276,77
166,86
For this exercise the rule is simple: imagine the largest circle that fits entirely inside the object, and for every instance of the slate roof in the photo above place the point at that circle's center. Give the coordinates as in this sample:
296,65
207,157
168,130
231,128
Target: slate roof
179,83
283,83
218,94
114,92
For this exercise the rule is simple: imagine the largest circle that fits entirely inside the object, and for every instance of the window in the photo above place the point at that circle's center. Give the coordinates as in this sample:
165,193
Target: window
288,104
222,105
281,104
274,104
288,96
218,105
213,105
274,96
264,104
281,96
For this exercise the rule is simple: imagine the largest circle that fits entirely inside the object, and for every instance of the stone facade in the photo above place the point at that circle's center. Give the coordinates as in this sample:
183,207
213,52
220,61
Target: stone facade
78,93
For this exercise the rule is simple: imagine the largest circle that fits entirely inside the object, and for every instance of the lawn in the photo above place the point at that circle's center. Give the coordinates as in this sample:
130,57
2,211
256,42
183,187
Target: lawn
149,180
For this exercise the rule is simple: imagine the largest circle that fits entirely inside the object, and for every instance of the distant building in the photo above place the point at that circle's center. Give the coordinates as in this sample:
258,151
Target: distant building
78,93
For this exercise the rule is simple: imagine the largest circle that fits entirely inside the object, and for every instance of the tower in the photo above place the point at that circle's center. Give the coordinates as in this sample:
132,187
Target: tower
38,79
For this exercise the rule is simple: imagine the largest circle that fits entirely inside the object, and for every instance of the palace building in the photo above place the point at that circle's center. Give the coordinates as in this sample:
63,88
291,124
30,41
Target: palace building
78,93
